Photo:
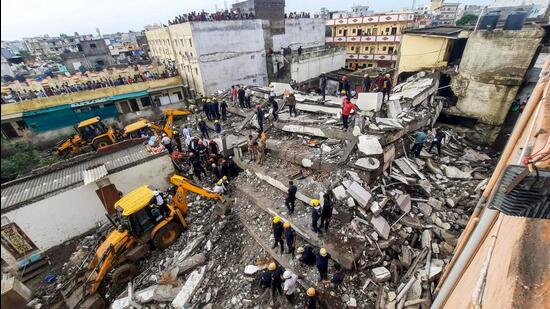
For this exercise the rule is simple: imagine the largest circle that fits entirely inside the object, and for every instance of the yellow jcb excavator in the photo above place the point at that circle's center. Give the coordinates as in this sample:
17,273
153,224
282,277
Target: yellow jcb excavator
137,227
91,134
145,124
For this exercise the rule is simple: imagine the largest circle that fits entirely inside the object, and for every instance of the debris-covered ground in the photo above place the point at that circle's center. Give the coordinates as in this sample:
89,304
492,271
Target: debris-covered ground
395,224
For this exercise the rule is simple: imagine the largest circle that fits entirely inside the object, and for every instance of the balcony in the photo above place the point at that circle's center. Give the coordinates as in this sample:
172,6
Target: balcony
386,18
364,39
376,57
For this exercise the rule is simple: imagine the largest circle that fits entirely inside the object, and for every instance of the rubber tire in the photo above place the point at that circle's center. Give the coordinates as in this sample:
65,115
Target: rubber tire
102,142
124,273
167,235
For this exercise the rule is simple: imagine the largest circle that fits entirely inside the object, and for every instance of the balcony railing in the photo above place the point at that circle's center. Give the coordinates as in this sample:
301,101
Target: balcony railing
386,18
364,39
378,57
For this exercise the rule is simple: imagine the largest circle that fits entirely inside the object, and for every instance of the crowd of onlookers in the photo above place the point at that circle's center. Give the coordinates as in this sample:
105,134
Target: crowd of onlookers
204,16
66,88
226,15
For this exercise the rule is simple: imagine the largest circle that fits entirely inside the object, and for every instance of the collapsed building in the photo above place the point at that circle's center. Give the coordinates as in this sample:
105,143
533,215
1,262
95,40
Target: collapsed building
396,219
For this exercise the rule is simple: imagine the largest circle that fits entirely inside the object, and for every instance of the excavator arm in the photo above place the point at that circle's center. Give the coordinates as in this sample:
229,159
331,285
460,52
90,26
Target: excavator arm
169,123
183,186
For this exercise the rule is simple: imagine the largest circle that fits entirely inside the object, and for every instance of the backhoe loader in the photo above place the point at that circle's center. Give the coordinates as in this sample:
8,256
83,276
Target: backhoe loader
91,134
138,226
147,125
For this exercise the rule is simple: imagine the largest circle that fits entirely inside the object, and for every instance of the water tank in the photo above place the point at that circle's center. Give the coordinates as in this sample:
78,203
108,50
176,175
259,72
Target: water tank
515,20
489,21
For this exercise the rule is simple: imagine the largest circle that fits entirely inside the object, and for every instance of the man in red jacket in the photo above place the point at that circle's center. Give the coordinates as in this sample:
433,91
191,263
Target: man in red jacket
347,107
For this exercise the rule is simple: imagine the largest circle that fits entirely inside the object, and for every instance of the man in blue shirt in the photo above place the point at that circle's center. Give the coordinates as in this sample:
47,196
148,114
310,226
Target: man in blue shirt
419,139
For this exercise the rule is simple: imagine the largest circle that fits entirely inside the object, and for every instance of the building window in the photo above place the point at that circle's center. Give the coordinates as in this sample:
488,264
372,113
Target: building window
390,50
359,32
387,30
384,48
393,30
368,31
340,31
252,57
353,31
374,31
190,43
92,45
352,48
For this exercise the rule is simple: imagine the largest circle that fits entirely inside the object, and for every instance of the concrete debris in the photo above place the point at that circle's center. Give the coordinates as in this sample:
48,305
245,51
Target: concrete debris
455,173
472,155
381,226
339,193
380,274
369,164
404,202
191,284
369,101
369,145
359,193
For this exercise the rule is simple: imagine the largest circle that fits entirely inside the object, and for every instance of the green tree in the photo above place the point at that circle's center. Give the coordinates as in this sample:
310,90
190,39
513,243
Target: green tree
25,159
24,54
467,20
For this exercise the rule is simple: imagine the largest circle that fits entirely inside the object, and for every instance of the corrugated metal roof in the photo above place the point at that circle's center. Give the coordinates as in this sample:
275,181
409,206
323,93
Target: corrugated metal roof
94,174
41,185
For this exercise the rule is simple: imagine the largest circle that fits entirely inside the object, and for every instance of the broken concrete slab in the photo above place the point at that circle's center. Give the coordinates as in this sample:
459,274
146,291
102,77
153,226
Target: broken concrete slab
303,130
369,101
404,202
435,203
359,193
375,208
368,164
369,145
380,274
280,88
389,123
424,208
381,226
339,193
165,293
191,284
350,202
318,108
455,173
191,262
474,156
189,248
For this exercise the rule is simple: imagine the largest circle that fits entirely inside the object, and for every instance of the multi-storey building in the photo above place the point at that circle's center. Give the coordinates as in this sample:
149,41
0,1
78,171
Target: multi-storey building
54,46
445,12
370,41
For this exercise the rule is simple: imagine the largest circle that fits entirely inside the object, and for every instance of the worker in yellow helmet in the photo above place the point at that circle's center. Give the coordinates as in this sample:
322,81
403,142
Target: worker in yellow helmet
322,263
315,215
290,237
278,229
219,188
311,300
276,278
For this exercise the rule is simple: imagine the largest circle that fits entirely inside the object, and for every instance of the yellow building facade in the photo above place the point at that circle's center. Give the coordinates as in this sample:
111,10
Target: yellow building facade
371,41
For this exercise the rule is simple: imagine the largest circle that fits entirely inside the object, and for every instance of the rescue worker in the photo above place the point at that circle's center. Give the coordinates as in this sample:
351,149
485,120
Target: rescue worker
379,82
275,108
260,114
177,137
311,299
167,143
197,166
322,263
224,167
216,108
437,141
307,256
186,132
223,108
291,103
290,237
240,95
233,94
247,97
217,128
213,147
203,128
261,152
278,229
291,198
315,214
338,276
252,146
386,87
346,87
419,139
276,278
347,107
323,84
206,109
367,83
216,171
265,279
219,188
202,151
289,286
326,212
233,168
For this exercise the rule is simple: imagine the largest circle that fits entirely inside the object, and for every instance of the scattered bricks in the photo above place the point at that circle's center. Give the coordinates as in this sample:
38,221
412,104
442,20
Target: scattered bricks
425,209
381,226
380,274
404,202
251,269
339,193
359,193
406,256
375,208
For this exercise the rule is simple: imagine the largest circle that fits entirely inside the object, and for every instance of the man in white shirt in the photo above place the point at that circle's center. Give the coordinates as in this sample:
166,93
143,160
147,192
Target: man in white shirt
290,285
167,143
